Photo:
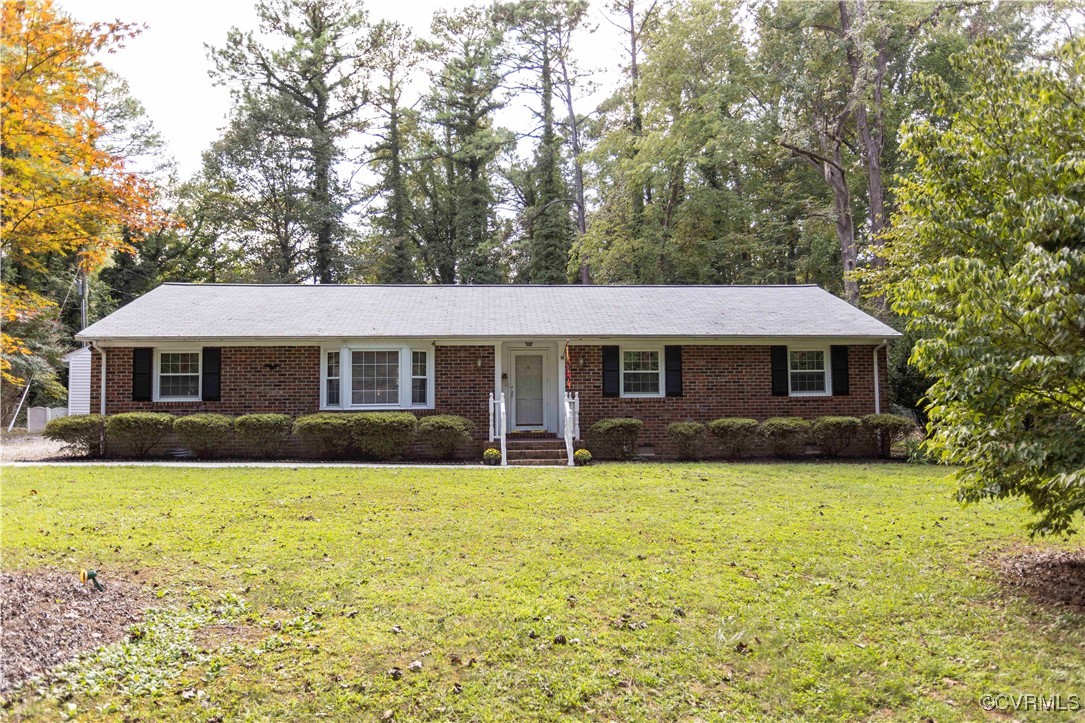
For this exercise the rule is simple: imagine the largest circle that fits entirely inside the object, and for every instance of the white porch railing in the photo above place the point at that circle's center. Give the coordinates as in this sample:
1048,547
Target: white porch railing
572,423
499,424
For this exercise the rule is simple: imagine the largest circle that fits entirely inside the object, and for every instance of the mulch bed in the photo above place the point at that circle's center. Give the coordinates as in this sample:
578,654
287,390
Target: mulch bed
1054,578
48,618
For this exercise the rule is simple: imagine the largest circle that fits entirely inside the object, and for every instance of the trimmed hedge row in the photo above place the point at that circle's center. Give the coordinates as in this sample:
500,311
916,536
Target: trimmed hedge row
786,436
380,435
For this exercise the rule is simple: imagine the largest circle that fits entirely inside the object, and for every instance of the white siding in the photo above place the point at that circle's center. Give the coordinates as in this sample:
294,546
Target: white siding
79,381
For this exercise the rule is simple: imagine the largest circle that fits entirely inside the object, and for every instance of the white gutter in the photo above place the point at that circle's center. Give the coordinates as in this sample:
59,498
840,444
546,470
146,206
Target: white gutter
877,378
101,394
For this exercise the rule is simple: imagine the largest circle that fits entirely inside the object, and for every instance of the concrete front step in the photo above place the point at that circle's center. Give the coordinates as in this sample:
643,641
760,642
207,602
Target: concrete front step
515,453
537,462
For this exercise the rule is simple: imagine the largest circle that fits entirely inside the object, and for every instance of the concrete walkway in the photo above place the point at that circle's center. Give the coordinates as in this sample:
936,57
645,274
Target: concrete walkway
246,464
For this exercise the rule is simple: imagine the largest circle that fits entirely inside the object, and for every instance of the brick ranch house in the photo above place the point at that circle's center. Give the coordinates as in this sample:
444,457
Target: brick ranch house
657,353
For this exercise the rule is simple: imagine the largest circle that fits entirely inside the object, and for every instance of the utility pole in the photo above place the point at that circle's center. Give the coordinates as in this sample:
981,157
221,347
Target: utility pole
83,301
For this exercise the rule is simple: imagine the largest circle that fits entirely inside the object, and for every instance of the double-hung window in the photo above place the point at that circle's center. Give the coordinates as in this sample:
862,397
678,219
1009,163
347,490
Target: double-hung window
332,379
808,372
179,375
419,379
642,373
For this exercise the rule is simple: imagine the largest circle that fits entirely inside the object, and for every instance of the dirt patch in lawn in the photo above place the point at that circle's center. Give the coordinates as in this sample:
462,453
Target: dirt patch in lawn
49,617
1047,577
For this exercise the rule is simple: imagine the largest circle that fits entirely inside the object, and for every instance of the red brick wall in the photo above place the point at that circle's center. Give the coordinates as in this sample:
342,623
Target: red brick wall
462,385
720,381
249,383
293,386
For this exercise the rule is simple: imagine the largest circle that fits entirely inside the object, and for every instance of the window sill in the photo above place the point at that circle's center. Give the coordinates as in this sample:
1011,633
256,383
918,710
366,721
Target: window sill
376,408
800,395
168,400
642,396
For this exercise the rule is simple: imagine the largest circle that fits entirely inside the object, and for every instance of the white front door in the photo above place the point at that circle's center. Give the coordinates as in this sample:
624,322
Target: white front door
526,384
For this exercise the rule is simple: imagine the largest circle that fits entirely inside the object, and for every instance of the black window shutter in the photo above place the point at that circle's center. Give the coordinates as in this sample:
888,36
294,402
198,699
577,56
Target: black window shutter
779,371
212,374
612,372
142,361
672,367
839,360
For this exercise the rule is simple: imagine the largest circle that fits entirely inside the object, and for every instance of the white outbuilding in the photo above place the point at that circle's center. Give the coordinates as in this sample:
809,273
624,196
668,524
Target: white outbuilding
78,362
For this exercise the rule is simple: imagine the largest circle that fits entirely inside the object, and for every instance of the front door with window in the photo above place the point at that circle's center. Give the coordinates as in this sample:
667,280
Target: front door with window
527,382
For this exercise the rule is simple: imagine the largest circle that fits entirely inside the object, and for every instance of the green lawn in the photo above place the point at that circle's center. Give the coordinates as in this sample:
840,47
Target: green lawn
684,592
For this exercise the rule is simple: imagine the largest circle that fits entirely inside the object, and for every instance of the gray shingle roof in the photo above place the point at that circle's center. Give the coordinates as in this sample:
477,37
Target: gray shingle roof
242,311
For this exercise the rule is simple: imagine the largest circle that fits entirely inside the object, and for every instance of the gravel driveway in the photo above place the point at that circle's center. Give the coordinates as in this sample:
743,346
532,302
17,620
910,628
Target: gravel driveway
29,448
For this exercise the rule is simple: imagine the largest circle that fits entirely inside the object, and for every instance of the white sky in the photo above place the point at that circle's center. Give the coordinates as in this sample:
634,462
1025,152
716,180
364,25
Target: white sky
166,66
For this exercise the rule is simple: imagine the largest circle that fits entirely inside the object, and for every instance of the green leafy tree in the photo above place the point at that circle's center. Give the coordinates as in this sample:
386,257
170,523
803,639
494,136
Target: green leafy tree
986,260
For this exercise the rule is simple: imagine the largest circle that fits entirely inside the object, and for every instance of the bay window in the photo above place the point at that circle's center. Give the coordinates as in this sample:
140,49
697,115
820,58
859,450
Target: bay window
377,378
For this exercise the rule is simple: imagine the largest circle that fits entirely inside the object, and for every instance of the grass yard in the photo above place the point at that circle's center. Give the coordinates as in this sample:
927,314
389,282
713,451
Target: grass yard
681,592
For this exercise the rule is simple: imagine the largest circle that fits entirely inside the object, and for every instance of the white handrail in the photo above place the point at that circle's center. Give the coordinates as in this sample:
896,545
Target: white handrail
503,428
493,432
570,426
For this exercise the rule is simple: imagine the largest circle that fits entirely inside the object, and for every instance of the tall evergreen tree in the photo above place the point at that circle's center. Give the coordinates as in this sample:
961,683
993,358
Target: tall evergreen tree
396,57
542,32
457,227
316,60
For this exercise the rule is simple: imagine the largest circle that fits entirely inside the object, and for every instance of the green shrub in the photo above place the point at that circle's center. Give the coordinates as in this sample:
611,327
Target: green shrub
204,434
138,431
916,449
581,457
446,433
82,434
786,436
885,429
328,433
384,435
491,456
733,433
687,437
615,438
264,433
833,434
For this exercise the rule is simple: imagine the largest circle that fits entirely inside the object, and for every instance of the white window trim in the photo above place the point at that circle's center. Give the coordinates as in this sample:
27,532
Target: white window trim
346,373
157,373
621,375
828,371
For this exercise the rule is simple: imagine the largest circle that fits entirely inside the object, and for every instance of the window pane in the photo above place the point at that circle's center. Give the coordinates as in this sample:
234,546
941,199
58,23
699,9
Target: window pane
807,361
418,364
641,383
333,392
641,361
178,386
333,364
807,382
418,391
179,363
375,377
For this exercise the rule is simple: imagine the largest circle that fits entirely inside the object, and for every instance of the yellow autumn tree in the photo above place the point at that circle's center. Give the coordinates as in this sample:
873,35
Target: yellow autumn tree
61,192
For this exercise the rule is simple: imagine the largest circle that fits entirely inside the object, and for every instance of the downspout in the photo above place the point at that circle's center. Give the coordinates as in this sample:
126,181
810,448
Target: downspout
877,378
101,392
